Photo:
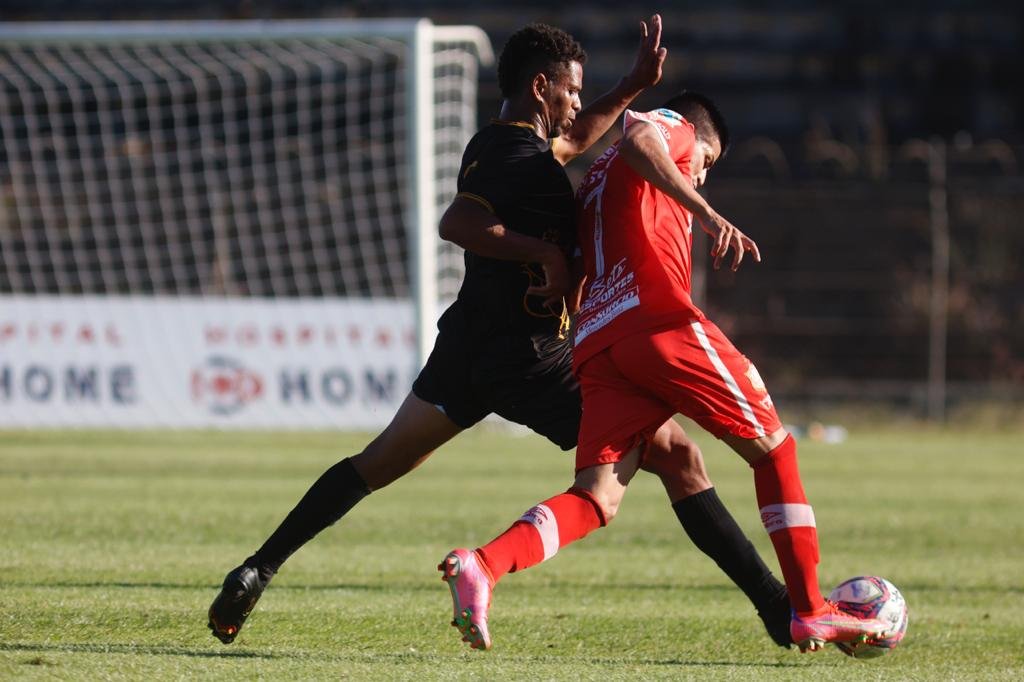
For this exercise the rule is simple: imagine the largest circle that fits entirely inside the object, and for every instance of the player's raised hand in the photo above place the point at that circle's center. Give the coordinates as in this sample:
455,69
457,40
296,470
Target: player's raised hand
650,56
728,236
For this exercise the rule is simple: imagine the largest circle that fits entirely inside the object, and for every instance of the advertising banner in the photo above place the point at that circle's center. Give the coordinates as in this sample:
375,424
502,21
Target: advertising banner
203,362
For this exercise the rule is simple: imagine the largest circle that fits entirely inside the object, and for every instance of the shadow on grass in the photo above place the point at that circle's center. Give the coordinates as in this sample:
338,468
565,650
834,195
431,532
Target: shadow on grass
679,663
149,649
94,584
365,656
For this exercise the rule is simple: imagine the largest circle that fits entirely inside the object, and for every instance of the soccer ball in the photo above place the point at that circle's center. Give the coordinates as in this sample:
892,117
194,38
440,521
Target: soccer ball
872,597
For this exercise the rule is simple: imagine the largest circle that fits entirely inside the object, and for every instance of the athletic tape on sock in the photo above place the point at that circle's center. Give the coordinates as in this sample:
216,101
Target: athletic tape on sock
778,516
543,519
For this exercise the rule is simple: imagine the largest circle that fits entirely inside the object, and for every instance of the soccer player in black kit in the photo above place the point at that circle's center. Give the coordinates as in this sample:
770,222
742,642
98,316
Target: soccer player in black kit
503,345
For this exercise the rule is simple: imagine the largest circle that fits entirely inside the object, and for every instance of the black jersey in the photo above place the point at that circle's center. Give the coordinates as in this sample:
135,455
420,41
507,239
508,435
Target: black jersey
500,350
514,174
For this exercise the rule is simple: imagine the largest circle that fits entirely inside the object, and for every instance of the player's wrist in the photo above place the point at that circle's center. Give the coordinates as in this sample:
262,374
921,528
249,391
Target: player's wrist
549,254
707,214
629,86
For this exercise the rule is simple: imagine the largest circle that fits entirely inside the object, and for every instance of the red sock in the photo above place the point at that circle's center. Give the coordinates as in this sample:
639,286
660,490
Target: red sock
789,521
541,532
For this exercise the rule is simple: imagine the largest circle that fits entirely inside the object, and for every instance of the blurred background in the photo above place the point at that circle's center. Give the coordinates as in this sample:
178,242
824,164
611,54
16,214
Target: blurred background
877,161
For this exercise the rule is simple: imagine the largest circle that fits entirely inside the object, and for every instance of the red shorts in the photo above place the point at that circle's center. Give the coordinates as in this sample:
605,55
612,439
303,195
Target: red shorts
632,387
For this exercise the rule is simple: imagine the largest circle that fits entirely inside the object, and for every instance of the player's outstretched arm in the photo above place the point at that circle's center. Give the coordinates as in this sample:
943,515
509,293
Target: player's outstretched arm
595,120
471,225
643,149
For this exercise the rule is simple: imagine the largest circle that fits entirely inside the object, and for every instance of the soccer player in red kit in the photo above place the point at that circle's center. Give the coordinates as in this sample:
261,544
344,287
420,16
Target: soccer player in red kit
644,352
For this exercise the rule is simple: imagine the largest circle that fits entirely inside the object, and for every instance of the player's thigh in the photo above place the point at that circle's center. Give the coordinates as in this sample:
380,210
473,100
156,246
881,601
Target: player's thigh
617,414
697,369
417,429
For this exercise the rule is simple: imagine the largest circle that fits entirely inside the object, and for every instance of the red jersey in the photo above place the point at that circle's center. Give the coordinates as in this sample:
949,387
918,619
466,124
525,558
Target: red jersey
635,242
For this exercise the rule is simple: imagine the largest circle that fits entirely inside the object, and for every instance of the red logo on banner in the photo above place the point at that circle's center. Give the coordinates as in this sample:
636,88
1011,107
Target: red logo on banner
61,332
224,385
256,335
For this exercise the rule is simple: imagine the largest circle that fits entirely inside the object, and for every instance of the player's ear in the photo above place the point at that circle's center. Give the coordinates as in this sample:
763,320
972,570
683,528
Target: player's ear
539,86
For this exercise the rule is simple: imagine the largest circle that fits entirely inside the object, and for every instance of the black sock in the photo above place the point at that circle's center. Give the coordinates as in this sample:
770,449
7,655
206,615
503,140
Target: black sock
713,529
338,490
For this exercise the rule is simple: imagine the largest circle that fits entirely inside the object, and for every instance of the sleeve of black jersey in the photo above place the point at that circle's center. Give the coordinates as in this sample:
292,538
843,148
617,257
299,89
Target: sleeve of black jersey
497,178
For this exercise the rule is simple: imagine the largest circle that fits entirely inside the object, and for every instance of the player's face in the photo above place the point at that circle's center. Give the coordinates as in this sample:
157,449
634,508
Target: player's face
704,157
562,98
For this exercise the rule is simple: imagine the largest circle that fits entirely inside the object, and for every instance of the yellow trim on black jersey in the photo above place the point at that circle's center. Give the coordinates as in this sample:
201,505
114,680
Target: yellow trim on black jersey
477,198
535,279
520,124
523,124
566,325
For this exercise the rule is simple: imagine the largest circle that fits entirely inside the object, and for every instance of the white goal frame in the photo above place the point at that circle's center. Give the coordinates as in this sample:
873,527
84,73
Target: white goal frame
422,39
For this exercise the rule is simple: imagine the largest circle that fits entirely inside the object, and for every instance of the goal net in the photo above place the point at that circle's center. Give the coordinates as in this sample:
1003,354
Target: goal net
205,194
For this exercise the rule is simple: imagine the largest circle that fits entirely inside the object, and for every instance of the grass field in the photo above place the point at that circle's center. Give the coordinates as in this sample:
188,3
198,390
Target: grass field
113,545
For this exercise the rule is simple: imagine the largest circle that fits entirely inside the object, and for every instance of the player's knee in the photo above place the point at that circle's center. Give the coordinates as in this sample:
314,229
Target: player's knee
679,457
381,462
679,463
754,450
690,462
606,500
610,509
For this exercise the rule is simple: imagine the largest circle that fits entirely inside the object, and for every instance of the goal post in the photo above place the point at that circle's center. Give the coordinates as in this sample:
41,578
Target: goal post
225,170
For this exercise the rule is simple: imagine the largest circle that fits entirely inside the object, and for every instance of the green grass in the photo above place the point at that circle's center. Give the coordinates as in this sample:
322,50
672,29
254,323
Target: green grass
112,545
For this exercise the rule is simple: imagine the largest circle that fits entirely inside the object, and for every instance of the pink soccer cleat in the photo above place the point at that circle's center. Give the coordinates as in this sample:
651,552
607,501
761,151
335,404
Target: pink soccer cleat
811,633
470,585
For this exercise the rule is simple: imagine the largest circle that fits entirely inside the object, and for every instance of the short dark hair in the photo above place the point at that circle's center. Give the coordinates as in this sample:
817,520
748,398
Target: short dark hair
533,49
699,110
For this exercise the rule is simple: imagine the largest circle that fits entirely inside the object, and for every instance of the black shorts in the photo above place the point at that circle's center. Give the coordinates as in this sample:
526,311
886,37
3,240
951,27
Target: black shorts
471,378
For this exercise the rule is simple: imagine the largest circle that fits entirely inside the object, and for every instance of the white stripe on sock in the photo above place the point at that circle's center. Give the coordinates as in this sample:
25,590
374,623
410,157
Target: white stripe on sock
543,519
778,516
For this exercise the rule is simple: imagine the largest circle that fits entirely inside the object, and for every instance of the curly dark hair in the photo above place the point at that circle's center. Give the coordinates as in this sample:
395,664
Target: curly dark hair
533,49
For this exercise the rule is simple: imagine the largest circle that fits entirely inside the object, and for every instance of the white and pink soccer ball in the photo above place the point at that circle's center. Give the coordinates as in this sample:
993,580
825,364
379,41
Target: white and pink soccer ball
872,597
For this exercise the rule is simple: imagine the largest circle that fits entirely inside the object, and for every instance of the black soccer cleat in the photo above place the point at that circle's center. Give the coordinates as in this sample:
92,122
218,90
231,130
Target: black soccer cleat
241,590
776,618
